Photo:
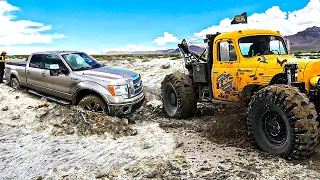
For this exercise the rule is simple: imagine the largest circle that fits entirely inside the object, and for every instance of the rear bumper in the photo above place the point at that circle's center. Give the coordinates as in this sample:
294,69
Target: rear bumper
126,108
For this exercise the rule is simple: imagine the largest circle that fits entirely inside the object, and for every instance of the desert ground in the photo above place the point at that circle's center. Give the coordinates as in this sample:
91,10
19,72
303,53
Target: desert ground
45,140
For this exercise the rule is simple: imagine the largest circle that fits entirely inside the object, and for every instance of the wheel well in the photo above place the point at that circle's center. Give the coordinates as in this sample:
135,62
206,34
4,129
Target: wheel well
248,91
13,76
84,92
280,78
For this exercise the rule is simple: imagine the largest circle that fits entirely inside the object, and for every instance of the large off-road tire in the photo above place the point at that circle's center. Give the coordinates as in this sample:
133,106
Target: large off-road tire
282,121
178,96
15,84
93,103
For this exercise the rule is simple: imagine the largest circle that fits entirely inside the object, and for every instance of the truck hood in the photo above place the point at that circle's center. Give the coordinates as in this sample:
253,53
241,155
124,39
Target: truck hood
110,73
303,63
279,61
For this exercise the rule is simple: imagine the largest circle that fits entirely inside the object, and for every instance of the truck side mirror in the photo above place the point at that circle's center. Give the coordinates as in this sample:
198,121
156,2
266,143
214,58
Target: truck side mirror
224,51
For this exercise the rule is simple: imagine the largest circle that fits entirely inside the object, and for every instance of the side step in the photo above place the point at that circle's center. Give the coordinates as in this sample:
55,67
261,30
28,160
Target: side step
50,98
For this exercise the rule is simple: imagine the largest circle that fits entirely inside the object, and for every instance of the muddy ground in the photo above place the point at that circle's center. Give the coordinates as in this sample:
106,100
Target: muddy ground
44,140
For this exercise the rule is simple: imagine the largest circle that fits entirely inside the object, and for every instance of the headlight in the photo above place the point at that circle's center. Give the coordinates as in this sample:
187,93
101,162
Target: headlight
315,81
121,90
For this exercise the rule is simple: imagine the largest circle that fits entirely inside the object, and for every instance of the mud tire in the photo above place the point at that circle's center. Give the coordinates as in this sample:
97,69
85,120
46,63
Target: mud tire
299,117
92,99
15,84
185,95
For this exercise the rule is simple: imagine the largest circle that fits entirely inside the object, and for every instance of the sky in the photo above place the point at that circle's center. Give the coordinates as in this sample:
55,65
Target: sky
99,26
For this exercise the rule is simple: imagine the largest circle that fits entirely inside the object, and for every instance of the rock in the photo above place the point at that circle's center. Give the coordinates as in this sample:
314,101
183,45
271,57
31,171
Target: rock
134,132
178,143
125,121
17,97
15,117
101,175
165,66
154,104
57,112
5,108
41,114
43,104
146,145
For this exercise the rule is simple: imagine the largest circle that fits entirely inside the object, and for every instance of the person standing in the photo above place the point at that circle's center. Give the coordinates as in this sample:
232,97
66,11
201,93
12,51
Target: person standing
2,61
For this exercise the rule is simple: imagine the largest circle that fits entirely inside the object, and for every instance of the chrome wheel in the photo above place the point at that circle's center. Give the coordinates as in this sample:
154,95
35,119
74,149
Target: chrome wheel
15,83
95,107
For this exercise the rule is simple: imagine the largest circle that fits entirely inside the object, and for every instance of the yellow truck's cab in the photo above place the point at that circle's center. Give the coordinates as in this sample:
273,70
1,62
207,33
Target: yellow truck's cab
254,67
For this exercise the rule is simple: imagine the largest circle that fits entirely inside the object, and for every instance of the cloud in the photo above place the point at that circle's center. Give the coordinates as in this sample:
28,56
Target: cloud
26,50
274,18
15,32
167,38
131,48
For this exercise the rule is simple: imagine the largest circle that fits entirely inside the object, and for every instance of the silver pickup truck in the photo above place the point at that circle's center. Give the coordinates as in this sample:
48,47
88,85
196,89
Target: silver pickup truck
72,77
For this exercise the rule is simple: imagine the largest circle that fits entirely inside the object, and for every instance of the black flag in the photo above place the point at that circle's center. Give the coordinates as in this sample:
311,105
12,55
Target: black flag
240,19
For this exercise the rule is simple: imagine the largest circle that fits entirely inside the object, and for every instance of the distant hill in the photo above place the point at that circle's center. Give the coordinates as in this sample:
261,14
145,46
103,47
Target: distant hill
307,40
193,48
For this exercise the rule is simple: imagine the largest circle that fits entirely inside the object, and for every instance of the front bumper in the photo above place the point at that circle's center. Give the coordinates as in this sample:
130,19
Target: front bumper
126,108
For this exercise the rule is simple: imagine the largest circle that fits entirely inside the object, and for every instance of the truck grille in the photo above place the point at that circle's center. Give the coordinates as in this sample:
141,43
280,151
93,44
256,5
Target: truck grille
137,85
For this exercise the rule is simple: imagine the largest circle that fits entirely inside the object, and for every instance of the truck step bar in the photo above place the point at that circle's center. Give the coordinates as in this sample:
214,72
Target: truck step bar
50,98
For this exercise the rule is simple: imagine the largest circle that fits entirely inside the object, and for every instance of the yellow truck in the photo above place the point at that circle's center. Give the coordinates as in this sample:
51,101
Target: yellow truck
253,67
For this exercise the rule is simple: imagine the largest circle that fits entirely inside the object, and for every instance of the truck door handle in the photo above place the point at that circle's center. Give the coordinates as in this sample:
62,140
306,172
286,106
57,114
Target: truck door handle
215,71
43,74
28,71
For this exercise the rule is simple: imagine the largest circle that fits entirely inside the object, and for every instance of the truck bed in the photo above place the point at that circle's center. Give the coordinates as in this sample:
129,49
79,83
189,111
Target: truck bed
22,63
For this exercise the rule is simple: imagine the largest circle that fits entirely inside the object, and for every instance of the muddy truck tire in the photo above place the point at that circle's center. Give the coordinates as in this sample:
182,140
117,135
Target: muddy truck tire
282,121
178,96
93,103
15,84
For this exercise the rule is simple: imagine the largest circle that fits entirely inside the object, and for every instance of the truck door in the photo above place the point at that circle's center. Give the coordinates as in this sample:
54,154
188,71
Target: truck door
57,85
224,71
33,73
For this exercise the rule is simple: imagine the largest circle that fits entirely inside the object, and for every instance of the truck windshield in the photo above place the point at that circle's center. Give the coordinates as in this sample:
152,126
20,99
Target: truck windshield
262,45
81,61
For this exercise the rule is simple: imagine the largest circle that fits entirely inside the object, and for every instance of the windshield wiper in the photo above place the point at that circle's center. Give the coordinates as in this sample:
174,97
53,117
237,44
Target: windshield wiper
96,66
83,68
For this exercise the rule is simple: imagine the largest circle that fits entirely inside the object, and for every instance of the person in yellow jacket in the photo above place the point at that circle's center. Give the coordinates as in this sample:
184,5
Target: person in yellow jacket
2,61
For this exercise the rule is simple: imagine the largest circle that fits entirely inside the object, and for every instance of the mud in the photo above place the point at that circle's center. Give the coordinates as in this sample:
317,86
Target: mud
85,123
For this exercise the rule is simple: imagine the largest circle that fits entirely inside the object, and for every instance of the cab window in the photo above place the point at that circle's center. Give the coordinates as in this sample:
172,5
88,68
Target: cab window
35,61
226,51
53,59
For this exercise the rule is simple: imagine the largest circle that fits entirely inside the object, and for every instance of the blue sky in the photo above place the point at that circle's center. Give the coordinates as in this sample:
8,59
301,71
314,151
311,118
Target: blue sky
103,25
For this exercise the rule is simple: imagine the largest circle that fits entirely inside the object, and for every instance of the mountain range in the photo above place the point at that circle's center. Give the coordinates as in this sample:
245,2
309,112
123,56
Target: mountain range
193,48
307,40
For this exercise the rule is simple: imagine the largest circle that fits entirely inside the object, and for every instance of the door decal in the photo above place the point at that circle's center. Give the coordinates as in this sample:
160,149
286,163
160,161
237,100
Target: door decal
224,82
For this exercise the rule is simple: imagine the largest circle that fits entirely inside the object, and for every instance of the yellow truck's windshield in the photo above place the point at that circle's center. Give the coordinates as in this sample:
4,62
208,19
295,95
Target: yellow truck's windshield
261,45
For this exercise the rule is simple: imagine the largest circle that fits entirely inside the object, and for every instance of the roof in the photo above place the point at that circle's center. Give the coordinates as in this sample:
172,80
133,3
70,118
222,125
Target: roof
241,33
56,52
